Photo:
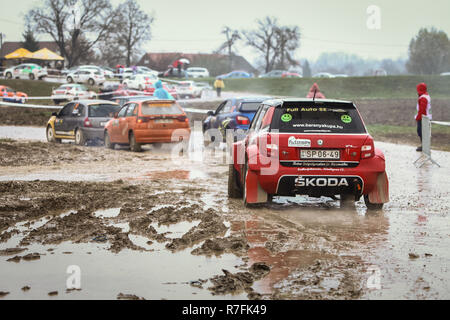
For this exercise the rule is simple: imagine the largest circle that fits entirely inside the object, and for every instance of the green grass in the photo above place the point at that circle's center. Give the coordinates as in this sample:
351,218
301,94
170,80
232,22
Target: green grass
390,87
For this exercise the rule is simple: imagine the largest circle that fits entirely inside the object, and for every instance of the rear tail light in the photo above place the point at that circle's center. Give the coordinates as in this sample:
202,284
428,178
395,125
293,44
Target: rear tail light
271,149
242,120
367,151
87,123
182,119
143,119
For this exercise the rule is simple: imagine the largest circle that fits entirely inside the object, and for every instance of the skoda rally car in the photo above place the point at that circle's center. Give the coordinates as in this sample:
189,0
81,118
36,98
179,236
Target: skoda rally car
308,147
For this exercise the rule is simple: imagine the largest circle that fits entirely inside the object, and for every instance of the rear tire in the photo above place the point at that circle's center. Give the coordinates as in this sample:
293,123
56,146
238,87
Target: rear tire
51,136
69,79
32,77
234,191
372,206
244,186
91,82
134,146
80,139
347,200
108,143
9,76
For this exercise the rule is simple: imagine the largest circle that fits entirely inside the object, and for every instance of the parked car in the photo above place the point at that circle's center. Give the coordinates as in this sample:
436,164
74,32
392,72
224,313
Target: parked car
89,76
106,73
445,74
81,121
233,114
10,95
273,74
236,74
203,85
340,75
188,89
140,81
289,74
307,147
69,92
323,75
147,122
196,72
26,71
145,70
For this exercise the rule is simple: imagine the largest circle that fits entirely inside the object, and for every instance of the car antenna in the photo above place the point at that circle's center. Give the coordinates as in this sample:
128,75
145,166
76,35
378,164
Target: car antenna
314,98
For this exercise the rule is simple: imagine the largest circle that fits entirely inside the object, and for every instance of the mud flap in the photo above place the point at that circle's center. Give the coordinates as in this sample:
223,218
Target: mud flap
380,194
255,194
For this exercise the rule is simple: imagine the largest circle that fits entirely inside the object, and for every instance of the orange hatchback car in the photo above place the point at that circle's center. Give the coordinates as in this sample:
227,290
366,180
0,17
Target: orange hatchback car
147,122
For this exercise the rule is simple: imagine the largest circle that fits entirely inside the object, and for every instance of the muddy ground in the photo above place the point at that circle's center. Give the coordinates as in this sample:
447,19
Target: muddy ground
154,226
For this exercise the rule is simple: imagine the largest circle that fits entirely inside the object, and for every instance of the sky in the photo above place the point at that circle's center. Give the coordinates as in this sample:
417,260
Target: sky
326,25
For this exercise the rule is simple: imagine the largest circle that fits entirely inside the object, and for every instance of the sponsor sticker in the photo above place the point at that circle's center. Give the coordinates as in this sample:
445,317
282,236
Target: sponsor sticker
301,143
345,118
286,117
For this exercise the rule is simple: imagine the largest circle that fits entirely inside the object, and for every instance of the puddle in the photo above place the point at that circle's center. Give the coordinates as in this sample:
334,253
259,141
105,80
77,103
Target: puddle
27,133
107,213
176,230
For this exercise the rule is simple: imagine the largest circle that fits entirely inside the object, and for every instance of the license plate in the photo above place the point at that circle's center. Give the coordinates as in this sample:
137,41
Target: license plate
164,121
320,154
102,124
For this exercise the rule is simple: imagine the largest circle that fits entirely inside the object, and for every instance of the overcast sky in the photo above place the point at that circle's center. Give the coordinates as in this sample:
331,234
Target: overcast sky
326,25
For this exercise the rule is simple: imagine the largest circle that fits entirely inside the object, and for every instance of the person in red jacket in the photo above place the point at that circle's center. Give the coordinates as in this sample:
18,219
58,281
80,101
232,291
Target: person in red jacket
423,109
315,89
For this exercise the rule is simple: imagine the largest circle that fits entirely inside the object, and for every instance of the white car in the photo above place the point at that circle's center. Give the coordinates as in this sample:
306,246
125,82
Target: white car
89,76
188,89
145,70
26,71
106,73
69,92
445,74
324,75
196,72
140,81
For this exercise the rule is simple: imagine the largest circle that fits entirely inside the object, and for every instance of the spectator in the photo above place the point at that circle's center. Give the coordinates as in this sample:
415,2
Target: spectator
161,93
315,89
423,109
219,85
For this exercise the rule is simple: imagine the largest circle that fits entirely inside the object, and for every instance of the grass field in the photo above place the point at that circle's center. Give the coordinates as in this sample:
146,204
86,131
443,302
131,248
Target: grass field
390,87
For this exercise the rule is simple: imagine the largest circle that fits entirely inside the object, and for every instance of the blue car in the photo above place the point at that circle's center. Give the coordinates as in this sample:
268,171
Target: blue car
236,75
234,113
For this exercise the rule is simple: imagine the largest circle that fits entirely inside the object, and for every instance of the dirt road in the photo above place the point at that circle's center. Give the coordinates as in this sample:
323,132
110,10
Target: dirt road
147,226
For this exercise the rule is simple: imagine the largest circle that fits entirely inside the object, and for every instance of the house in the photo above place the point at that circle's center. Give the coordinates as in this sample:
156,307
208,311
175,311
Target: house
215,63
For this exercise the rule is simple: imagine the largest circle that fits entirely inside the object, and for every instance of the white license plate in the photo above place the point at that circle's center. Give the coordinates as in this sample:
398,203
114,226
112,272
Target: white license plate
320,154
102,124
164,121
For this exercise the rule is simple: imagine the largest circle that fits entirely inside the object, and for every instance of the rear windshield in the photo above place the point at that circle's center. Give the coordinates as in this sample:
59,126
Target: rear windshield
250,106
332,118
159,109
103,110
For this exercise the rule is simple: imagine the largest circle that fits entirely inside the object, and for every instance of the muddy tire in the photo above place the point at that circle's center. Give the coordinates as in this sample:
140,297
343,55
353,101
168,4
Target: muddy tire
134,146
244,187
69,79
80,139
372,206
347,200
32,77
9,76
51,136
108,143
234,190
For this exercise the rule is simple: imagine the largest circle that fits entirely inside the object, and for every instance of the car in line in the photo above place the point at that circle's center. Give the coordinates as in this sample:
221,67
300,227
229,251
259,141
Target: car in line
289,74
140,81
197,72
29,71
324,75
236,75
146,70
89,76
273,74
81,121
308,147
69,92
7,94
147,122
231,114
121,100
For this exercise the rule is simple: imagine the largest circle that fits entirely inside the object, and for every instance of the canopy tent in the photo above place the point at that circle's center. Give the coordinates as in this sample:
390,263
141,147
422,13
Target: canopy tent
20,53
45,54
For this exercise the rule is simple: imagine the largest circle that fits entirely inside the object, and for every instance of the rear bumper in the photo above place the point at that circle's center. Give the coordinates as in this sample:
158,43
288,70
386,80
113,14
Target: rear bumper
288,181
144,136
93,133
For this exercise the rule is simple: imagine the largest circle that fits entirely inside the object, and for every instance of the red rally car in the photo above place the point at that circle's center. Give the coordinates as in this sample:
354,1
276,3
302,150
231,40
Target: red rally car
308,147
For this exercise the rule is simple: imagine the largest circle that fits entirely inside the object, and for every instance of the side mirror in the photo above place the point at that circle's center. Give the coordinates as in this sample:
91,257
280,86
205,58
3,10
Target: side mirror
210,113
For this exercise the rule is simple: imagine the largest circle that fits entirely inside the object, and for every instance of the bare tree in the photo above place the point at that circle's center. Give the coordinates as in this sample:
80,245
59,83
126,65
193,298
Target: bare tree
75,25
134,28
277,44
232,37
264,40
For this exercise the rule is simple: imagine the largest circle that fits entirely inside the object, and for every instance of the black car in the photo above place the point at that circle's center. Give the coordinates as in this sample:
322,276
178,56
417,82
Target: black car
82,121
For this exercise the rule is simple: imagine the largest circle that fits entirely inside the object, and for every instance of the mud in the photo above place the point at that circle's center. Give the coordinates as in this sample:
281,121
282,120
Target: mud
143,226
